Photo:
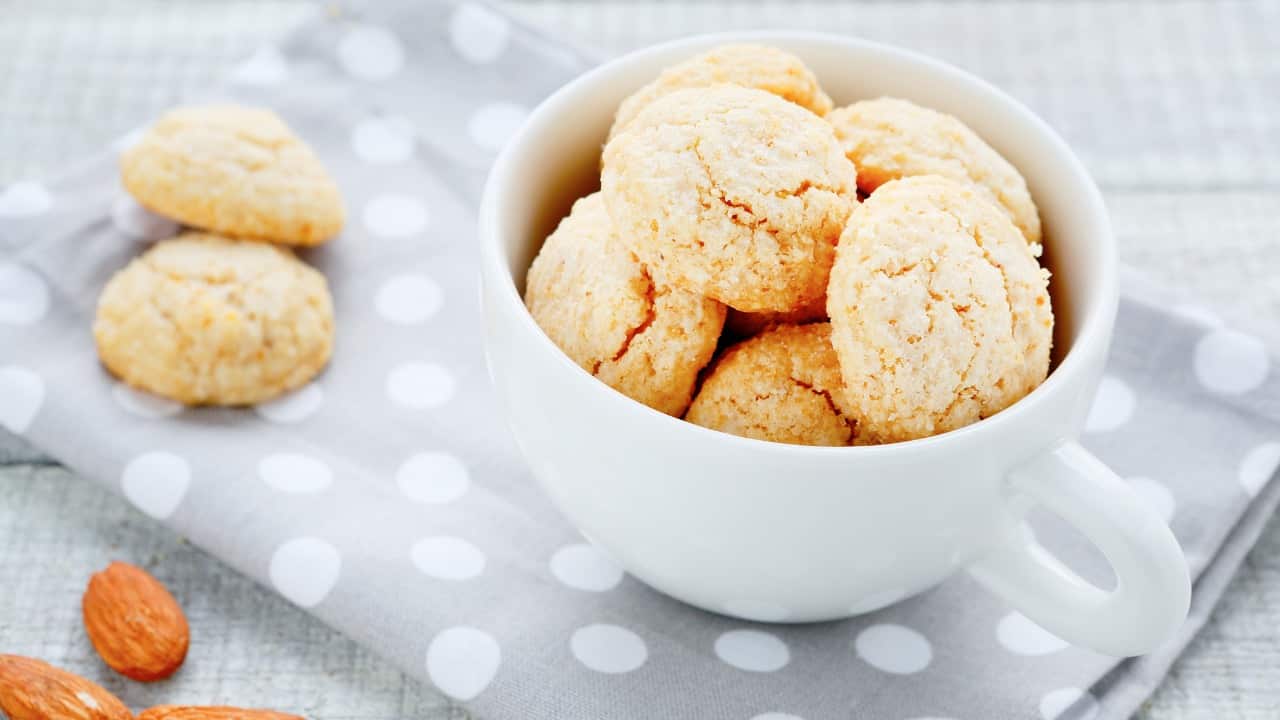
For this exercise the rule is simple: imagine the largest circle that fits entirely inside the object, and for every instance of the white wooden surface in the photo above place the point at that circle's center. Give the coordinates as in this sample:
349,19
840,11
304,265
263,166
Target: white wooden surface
1175,106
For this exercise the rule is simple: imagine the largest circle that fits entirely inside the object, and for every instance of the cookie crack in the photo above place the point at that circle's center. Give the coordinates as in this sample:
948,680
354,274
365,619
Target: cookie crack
651,311
185,339
230,294
963,389
976,234
737,207
849,423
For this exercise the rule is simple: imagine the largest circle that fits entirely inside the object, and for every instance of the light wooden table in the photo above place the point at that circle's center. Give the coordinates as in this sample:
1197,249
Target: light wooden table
1175,107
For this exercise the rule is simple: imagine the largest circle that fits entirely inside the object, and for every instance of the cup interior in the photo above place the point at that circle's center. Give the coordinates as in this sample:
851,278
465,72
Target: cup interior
555,158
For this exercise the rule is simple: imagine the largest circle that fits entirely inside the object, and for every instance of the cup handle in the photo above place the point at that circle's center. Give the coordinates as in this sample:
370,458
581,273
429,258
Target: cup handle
1153,585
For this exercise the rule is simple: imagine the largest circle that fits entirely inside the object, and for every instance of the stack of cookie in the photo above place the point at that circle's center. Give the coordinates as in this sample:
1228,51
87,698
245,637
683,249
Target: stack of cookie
224,313
729,272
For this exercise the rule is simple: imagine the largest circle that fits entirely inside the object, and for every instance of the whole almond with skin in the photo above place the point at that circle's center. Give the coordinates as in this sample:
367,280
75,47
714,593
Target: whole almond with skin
134,623
32,689
221,712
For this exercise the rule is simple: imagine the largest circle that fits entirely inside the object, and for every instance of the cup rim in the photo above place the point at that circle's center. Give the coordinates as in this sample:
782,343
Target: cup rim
1094,329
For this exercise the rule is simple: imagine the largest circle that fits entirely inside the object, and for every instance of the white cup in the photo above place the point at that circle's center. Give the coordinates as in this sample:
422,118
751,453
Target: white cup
773,532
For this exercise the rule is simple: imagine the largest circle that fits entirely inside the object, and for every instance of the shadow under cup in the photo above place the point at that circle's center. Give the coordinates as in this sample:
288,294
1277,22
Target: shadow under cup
697,513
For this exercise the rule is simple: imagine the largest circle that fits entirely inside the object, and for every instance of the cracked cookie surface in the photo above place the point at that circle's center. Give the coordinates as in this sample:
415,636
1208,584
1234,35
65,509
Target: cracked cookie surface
940,313
756,66
207,320
236,171
732,193
612,317
888,138
782,385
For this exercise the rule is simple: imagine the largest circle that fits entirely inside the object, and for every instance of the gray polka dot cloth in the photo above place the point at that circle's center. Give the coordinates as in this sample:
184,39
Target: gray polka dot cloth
388,499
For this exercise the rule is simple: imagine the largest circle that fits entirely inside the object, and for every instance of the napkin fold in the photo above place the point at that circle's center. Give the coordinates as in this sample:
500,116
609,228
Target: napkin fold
388,498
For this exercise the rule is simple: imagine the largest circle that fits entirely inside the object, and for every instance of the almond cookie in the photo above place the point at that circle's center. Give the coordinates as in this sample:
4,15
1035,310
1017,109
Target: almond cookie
889,139
757,66
234,170
783,385
610,315
747,324
732,193
206,320
940,314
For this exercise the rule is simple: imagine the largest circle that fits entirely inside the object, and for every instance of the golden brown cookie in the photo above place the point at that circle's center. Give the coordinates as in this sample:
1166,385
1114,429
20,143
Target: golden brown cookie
236,171
757,66
940,313
611,316
740,324
783,385
732,193
206,320
889,139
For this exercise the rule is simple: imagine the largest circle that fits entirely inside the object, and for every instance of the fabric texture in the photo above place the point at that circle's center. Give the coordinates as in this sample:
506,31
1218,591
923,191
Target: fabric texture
388,498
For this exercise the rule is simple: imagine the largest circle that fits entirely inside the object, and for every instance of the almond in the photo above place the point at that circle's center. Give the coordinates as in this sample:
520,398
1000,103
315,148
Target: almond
134,623
32,689
221,712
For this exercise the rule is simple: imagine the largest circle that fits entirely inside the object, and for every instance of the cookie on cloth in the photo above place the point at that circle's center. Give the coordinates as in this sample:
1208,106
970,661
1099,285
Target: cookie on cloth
237,171
757,66
207,320
782,385
614,318
732,193
940,313
888,138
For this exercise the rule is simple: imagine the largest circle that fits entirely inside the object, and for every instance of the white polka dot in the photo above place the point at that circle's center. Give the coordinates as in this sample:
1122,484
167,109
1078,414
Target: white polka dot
1112,406
776,716
478,33
462,661
409,299
1020,635
383,140
1258,466
24,296
757,610
129,139
894,649
265,67
25,199
23,393
395,216
433,477
156,482
1054,705
585,567
420,385
877,600
1156,495
447,558
1230,362
294,406
136,221
304,570
294,473
493,125
1199,314
608,648
370,53
144,404
752,650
